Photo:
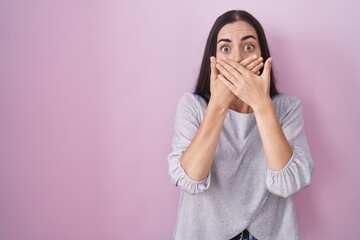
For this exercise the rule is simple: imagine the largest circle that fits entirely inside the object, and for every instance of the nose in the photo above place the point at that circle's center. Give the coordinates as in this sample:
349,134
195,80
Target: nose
237,56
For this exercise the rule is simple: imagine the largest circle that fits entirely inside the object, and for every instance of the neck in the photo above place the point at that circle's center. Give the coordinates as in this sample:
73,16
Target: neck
240,106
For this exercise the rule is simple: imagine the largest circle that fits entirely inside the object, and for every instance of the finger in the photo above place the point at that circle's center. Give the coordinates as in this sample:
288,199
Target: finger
267,68
227,83
257,68
214,72
248,60
254,64
234,65
229,73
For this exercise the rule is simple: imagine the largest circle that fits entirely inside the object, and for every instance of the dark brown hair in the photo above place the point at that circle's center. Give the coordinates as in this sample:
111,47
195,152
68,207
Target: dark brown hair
203,82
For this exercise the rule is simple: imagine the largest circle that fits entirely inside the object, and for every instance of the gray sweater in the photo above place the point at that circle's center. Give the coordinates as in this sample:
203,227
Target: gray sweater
240,192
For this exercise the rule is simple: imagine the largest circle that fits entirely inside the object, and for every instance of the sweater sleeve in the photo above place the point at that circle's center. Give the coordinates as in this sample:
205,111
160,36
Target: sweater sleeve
187,122
296,175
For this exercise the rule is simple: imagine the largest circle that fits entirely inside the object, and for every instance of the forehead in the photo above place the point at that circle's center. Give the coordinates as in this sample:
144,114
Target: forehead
236,30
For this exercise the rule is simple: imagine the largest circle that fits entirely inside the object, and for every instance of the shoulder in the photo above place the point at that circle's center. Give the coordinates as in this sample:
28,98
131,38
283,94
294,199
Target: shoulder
191,100
191,105
286,100
286,103
188,98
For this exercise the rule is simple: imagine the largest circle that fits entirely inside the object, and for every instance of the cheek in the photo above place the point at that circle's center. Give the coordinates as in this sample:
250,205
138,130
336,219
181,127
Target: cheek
256,52
220,55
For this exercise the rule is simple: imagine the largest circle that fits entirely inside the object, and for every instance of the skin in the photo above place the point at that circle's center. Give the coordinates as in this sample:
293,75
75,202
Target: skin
237,85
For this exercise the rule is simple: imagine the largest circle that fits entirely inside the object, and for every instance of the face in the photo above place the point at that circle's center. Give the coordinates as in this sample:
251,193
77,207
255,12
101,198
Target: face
237,41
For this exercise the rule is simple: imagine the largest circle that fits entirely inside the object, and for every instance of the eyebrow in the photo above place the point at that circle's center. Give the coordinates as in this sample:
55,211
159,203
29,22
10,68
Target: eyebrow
242,39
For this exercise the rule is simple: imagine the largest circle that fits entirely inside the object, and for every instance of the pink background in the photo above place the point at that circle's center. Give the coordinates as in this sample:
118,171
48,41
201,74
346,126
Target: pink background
88,91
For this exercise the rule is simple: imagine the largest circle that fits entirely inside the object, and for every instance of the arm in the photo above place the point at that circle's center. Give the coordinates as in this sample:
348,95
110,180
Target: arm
296,175
198,158
194,144
290,164
254,91
276,147
187,123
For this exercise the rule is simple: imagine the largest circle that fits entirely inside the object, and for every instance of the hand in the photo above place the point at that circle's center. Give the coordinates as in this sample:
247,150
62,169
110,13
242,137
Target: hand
253,63
220,94
249,87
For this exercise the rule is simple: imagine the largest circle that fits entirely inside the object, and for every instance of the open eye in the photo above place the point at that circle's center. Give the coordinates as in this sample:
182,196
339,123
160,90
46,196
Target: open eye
248,47
225,49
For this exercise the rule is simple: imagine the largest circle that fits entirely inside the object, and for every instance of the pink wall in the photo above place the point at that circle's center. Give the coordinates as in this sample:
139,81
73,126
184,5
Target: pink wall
88,91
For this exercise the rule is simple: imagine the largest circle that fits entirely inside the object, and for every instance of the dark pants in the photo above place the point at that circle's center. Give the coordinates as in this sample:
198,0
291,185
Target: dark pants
245,237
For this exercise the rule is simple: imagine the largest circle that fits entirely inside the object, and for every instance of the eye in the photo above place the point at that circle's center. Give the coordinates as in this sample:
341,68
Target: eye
225,49
248,47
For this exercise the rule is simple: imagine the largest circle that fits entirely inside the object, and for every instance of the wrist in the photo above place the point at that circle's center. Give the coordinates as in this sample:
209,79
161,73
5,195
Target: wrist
263,107
217,107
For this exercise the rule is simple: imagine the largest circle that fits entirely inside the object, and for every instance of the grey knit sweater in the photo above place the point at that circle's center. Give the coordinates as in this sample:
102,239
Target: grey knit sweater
240,192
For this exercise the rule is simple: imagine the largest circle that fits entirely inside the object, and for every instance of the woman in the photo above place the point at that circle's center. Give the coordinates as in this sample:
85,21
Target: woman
239,150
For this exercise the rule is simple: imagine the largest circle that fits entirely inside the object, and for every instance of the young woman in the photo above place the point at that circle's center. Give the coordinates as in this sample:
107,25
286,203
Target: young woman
239,150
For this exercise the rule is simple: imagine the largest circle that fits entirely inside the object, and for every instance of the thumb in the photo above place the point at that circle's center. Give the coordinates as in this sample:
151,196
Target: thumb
267,68
213,74
214,71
